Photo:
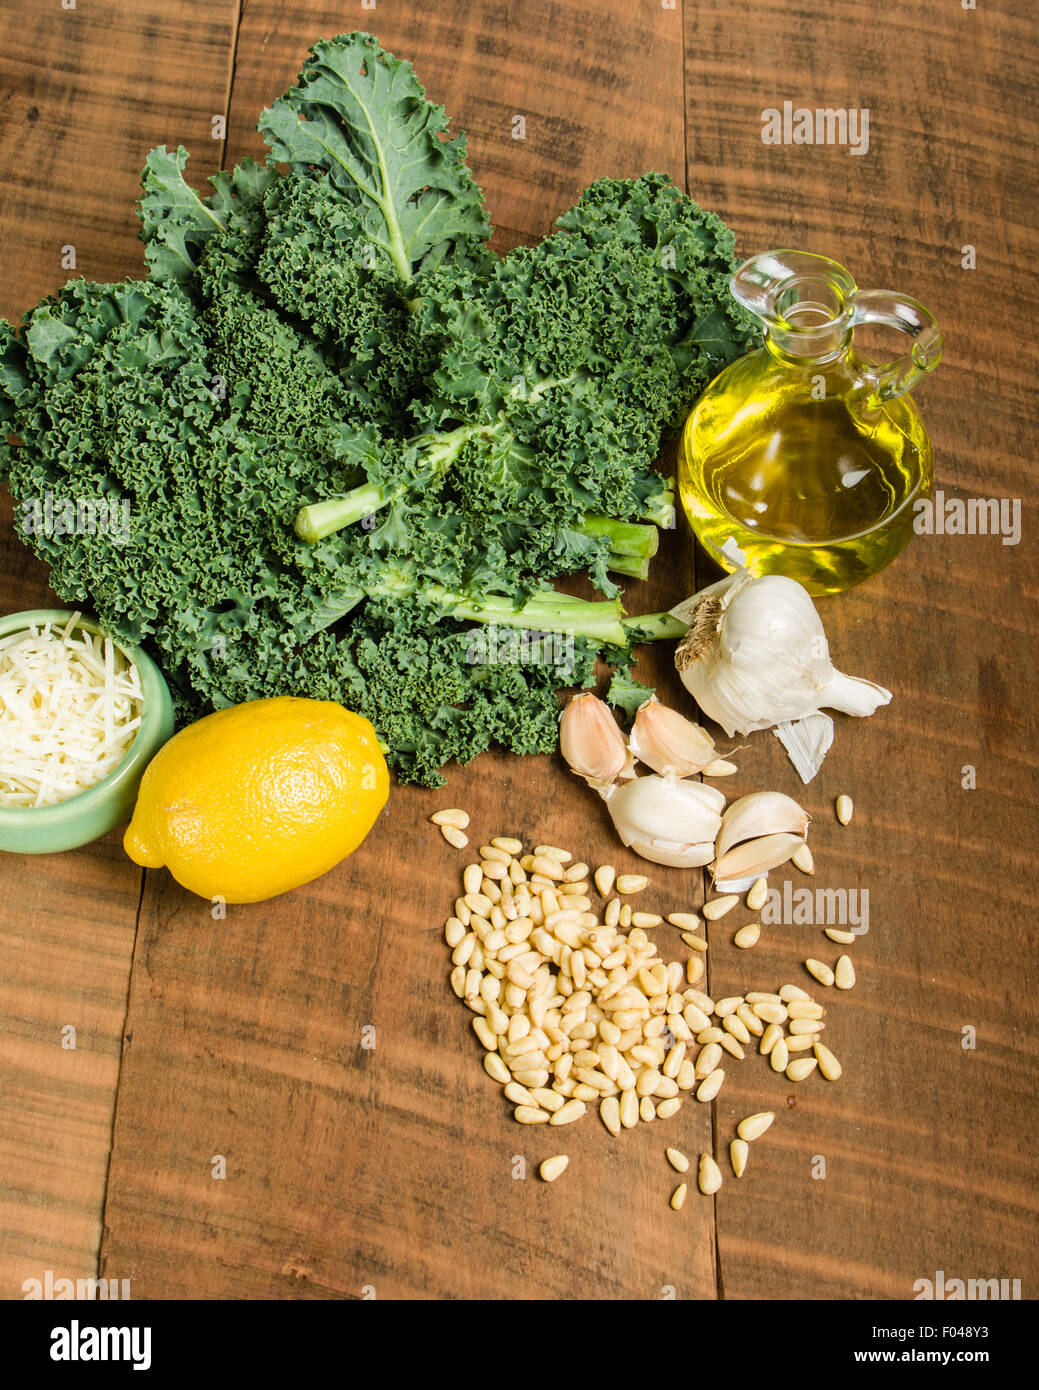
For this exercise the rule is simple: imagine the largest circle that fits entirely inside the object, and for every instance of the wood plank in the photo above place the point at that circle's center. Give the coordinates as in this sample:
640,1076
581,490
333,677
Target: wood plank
84,95
393,1168
922,1139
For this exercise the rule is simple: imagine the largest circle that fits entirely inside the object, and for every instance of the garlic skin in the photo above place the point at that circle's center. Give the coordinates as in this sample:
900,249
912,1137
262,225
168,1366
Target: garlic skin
668,742
755,655
591,742
668,821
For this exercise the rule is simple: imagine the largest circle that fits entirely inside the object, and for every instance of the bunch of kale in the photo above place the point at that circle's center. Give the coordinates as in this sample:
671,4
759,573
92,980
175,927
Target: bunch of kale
347,431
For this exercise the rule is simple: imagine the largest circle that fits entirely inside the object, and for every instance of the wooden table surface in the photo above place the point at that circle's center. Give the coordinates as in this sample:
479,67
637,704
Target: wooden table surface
394,1168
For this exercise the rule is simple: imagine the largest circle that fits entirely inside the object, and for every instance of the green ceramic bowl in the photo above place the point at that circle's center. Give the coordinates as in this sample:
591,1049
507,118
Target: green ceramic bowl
93,813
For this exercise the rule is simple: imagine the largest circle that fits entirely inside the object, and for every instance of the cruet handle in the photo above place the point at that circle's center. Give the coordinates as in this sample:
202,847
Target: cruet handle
889,310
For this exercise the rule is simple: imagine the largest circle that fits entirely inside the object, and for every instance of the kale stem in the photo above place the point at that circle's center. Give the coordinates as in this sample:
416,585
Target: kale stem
653,627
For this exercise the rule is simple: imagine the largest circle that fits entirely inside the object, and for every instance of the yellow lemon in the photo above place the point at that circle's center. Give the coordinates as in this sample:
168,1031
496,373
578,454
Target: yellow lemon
257,799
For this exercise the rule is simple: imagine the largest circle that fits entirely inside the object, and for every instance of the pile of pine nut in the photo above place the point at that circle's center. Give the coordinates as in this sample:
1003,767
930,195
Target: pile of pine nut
575,1011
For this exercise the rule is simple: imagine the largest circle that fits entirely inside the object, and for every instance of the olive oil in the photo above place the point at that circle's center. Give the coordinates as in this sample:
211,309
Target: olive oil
804,458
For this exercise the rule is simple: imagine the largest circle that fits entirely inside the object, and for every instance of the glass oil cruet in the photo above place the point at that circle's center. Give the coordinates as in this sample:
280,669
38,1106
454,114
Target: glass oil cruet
805,458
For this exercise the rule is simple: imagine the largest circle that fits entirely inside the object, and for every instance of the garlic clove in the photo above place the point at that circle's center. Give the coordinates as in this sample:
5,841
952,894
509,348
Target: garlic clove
667,741
665,811
675,855
756,857
721,767
591,742
760,814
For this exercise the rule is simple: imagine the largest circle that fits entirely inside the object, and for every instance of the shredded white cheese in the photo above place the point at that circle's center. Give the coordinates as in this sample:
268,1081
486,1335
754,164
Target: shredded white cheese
70,706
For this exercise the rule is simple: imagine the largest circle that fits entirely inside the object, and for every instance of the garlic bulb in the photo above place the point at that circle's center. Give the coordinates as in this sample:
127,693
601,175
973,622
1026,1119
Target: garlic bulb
666,741
666,820
755,655
591,742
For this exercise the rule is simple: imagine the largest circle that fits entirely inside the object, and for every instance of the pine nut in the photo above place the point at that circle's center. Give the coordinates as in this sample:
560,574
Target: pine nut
604,877
610,1114
496,1068
757,895
509,845
629,1109
454,930
828,1063
728,1005
747,936
779,1056
770,1012
532,1079
844,973
709,1175
613,911
645,920
734,1024
796,1043
631,883
710,1085
694,968
805,1026
456,838
769,1038
624,920
754,1126
696,942
547,868
647,1110
684,921
678,1196
843,938
452,816
561,856
552,1167
805,1008
531,1115
820,972
738,1151
686,1078
707,1061
732,1046
495,855
801,1068
802,859
572,1110
718,907
458,980
484,1032
845,809
472,877
789,992
750,1021
701,1000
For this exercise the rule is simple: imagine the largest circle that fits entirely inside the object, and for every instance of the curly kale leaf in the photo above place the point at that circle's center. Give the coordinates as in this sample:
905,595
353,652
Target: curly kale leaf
176,223
361,116
627,693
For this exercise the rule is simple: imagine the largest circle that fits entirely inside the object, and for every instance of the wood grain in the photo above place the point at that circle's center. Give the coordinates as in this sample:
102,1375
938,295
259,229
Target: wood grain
84,94
925,1169
351,1168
